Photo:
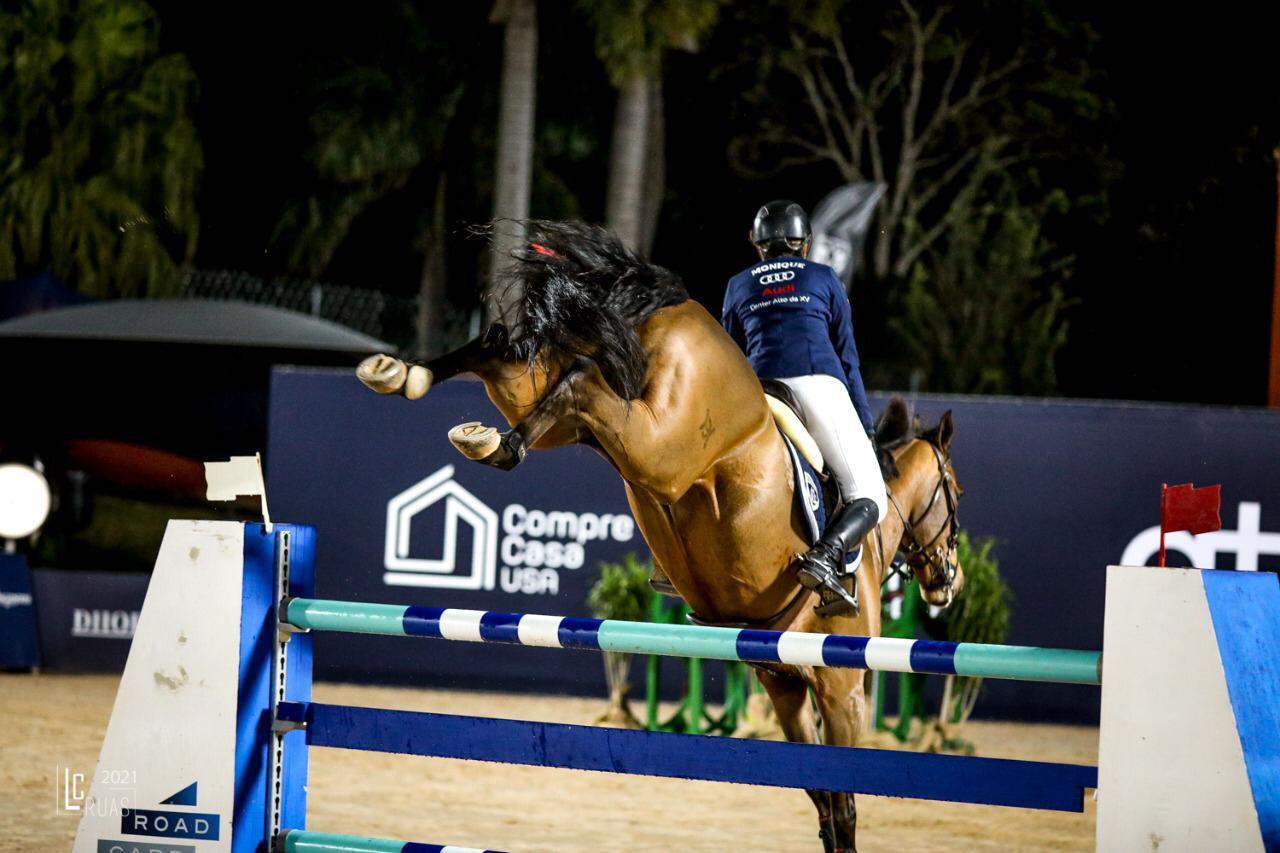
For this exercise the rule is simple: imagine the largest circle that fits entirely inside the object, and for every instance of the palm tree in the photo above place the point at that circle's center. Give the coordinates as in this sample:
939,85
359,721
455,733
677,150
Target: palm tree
101,156
628,156
631,38
514,163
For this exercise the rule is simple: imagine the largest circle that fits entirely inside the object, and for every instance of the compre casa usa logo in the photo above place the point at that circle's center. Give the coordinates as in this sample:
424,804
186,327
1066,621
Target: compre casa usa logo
520,549
1247,542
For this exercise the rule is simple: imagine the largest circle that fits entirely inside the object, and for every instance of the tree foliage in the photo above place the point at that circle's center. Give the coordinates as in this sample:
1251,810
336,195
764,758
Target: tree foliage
400,116
99,157
983,312
631,39
379,113
935,102
632,35
974,116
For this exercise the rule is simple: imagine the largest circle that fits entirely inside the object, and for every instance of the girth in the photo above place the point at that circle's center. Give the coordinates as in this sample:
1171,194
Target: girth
785,616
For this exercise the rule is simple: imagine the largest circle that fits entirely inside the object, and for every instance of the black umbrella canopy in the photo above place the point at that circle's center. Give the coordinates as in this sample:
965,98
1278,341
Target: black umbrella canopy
192,321
187,376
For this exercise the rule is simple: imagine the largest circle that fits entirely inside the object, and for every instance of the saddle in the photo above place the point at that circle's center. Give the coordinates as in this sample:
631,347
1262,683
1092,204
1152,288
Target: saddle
786,414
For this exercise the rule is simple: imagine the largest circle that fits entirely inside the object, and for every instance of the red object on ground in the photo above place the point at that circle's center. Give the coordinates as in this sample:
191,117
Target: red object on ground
1187,508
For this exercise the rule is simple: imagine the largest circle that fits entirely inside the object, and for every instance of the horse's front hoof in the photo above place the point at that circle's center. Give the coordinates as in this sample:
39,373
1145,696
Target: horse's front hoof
418,382
383,373
474,440
388,375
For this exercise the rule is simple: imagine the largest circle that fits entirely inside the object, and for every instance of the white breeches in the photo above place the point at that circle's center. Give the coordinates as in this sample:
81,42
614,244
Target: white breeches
833,422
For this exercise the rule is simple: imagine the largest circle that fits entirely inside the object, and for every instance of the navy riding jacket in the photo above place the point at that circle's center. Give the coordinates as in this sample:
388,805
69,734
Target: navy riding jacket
791,317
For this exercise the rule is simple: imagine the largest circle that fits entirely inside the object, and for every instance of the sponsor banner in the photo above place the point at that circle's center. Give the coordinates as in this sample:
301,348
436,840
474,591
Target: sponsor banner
19,647
1066,488
87,619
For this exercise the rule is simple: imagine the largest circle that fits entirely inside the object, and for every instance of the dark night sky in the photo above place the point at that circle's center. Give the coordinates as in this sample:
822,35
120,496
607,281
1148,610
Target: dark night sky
1174,288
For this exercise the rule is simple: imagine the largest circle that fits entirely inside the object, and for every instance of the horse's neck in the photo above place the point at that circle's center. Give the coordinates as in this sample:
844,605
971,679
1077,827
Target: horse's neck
905,492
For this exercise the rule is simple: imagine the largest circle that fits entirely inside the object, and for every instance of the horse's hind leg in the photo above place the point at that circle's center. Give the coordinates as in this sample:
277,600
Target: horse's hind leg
790,696
842,704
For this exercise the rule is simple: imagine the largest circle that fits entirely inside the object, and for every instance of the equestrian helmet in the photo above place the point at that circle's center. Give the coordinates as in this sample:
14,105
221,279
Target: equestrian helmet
781,227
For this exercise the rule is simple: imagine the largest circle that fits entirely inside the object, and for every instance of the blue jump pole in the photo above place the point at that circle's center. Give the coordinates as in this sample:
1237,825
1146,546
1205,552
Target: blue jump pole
1025,663
963,779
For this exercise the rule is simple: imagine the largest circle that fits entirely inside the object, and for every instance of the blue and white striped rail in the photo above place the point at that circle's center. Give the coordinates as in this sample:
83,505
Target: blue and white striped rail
301,841
1025,663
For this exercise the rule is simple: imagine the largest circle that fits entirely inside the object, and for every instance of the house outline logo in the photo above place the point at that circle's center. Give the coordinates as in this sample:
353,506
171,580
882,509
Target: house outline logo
460,506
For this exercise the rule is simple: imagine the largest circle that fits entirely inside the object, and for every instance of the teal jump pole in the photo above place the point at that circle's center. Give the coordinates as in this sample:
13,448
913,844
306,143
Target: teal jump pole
301,841
1022,663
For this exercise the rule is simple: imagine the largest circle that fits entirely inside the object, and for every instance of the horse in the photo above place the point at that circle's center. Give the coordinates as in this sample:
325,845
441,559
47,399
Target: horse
607,350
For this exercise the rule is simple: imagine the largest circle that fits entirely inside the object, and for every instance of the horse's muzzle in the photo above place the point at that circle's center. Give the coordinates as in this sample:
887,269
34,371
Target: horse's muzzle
942,591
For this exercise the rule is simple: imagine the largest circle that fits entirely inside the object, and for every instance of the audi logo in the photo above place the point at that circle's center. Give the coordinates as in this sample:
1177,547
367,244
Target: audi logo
776,277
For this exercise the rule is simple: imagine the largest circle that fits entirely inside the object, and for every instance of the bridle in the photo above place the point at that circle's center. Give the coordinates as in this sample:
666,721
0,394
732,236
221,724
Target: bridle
933,554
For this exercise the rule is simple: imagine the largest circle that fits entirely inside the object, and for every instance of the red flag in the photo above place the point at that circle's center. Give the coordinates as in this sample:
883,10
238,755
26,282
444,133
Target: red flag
1187,508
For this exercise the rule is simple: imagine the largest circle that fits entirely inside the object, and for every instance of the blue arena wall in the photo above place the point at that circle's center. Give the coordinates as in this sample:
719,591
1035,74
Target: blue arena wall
1066,487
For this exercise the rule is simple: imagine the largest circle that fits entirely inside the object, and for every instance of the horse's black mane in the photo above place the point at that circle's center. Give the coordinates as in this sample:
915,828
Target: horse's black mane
583,294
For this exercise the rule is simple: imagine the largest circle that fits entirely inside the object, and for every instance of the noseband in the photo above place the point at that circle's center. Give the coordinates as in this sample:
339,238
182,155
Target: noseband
934,554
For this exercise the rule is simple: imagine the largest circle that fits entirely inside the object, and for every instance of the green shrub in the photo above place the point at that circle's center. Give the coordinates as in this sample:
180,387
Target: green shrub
623,591
980,613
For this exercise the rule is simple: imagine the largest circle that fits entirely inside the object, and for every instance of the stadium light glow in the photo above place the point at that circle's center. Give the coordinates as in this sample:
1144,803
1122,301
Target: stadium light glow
25,501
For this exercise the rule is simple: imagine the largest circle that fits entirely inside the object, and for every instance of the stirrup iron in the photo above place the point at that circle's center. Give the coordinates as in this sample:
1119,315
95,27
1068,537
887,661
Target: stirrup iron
834,598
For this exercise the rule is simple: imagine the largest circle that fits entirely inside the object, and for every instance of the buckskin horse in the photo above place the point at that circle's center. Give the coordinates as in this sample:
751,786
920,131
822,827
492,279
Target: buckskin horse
609,351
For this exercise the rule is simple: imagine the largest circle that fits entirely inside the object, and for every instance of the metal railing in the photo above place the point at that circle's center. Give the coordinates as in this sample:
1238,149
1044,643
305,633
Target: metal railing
381,315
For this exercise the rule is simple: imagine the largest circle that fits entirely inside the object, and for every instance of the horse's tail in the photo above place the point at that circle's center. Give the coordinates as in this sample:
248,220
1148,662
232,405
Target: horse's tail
583,293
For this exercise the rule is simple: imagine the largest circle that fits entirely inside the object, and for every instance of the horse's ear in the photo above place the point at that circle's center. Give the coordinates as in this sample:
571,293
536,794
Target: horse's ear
946,430
894,423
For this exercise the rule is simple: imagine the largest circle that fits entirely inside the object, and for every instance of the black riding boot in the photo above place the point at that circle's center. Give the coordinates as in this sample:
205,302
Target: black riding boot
820,568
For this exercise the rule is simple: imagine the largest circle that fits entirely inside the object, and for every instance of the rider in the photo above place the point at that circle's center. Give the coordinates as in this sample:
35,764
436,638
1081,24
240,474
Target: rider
792,319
